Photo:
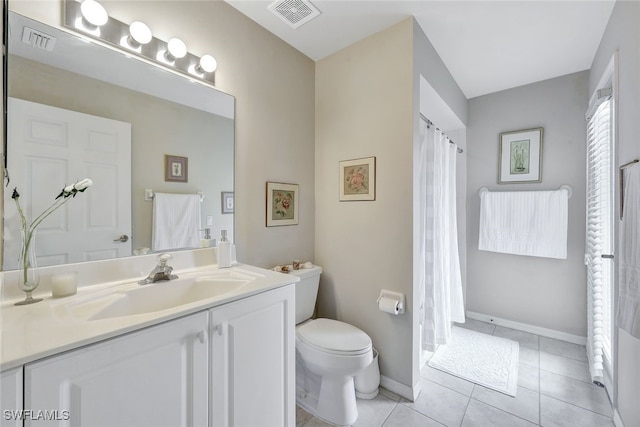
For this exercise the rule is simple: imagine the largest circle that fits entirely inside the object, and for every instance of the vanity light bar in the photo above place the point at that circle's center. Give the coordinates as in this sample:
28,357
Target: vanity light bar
136,40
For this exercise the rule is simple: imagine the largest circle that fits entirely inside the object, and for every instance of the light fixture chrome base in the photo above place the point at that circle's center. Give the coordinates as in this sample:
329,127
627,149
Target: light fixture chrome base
116,34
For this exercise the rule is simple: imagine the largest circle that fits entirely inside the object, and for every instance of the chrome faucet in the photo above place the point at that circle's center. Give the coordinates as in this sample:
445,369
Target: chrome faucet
162,271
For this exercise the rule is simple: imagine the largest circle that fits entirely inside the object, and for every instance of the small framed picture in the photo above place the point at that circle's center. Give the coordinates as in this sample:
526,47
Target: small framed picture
227,202
358,179
520,156
176,168
282,204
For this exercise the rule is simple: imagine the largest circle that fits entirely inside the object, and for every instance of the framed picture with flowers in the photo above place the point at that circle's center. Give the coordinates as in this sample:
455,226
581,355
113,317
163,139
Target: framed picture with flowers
282,204
358,179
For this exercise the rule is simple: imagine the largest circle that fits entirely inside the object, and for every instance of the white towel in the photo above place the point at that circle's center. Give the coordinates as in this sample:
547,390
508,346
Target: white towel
530,223
628,316
176,221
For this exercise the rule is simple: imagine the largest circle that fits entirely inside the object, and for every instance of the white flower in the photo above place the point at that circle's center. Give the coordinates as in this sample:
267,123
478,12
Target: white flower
82,185
68,188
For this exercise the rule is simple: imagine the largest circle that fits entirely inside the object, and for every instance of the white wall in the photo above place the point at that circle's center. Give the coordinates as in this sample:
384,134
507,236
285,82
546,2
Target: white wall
623,34
274,89
543,292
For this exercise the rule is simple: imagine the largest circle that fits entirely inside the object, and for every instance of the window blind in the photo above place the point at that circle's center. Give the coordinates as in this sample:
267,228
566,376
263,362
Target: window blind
599,234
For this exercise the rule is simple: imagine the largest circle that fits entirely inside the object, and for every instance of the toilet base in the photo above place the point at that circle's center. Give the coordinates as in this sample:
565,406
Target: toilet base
331,399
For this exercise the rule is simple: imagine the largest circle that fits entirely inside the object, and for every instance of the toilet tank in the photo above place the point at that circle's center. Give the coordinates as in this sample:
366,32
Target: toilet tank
306,291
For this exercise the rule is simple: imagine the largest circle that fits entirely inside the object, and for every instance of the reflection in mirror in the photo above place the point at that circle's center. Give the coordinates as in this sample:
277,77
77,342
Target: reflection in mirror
83,110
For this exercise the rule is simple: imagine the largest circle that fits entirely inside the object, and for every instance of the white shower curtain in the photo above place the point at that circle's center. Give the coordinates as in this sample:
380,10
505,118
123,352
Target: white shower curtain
440,280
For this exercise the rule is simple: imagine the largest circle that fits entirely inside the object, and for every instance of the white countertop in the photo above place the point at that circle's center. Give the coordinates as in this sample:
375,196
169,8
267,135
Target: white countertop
31,332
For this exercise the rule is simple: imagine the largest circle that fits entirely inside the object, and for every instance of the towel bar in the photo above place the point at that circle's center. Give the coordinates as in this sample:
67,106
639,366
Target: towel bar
567,187
148,195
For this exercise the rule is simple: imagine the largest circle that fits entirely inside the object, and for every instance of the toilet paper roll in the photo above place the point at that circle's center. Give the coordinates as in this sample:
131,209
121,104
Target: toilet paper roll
389,305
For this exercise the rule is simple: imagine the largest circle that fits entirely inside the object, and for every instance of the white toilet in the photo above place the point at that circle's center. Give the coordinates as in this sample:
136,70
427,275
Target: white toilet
329,354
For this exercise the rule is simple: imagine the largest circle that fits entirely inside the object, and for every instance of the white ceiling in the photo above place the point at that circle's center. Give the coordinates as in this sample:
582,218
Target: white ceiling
487,46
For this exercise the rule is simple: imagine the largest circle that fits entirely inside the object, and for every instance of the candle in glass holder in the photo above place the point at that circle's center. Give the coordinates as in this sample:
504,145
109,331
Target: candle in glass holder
64,284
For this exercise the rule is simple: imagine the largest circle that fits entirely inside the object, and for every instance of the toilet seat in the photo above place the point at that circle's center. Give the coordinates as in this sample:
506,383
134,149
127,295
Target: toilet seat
334,337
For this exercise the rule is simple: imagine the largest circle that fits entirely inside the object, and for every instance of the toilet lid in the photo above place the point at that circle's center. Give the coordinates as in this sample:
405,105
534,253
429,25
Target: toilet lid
334,336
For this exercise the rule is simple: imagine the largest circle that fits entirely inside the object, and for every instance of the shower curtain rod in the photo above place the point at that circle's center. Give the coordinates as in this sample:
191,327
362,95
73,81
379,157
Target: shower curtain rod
430,123
631,163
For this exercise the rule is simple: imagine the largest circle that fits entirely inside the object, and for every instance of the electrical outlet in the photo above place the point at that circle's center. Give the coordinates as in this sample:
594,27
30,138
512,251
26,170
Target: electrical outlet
209,220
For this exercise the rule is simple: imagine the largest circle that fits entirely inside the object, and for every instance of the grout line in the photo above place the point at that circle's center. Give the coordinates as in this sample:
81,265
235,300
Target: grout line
580,407
466,408
452,389
505,411
539,387
388,416
420,413
568,377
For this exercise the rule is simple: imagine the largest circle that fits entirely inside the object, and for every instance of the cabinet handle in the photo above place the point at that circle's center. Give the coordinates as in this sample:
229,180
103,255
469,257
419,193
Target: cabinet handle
220,328
202,337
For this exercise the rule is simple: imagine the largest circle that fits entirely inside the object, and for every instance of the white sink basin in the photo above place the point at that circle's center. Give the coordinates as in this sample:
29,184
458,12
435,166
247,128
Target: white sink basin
132,299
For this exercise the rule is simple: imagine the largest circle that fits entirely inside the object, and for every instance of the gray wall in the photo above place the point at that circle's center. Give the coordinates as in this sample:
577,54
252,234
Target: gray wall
427,64
543,292
623,34
367,104
364,108
274,89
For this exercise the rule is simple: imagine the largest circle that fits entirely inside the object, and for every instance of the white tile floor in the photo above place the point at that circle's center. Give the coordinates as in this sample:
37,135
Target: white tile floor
554,389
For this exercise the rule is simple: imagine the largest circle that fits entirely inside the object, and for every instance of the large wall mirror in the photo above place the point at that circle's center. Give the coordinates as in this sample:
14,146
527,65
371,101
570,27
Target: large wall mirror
82,110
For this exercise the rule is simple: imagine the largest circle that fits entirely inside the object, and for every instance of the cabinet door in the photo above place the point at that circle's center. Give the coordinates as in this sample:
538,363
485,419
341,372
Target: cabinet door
253,361
11,397
154,377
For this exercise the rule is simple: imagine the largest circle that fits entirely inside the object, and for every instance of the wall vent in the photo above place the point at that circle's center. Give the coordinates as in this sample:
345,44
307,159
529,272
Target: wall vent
38,39
294,12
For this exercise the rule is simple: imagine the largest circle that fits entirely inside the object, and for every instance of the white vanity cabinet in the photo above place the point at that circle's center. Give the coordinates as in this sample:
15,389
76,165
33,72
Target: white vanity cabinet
252,350
11,397
154,377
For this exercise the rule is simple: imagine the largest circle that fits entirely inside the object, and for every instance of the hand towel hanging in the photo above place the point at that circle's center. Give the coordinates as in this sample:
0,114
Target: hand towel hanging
176,221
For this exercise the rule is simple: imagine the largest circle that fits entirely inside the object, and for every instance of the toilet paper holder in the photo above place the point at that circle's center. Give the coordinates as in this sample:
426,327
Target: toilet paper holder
397,297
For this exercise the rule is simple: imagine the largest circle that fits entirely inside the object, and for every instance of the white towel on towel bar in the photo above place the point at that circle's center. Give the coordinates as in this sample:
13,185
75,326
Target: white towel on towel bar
530,223
628,316
176,221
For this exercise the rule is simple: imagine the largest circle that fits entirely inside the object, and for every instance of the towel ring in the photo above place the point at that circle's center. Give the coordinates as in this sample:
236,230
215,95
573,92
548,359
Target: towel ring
568,188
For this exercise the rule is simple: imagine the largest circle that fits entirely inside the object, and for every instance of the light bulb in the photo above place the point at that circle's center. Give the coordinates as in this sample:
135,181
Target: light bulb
207,64
94,13
139,33
176,49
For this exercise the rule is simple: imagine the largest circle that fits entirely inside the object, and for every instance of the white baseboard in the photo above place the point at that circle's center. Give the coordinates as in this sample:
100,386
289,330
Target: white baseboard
409,393
617,421
549,333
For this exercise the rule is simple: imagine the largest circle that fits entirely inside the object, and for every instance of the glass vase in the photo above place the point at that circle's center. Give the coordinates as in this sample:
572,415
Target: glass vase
28,275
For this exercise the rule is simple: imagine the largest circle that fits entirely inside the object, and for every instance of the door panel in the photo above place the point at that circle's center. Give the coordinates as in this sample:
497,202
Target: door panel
49,148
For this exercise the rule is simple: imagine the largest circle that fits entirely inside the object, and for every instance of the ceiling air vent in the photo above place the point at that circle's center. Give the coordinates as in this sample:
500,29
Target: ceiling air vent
38,39
294,12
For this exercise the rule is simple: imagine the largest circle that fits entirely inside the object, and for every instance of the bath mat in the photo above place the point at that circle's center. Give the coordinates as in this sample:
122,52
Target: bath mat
483,359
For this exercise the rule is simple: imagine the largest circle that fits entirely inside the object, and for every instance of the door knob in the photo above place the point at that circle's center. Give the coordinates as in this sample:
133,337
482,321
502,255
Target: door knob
124,238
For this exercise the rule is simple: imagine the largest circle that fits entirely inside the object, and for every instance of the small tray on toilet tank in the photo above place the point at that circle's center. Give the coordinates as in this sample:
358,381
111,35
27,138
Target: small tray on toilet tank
304,273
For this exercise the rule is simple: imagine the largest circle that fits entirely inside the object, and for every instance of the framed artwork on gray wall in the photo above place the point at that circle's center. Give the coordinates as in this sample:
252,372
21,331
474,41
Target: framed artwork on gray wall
520,158
176,168
227,202
358,179
282,204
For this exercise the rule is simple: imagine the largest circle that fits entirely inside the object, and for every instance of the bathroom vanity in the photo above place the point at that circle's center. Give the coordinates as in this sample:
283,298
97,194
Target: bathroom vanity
225,360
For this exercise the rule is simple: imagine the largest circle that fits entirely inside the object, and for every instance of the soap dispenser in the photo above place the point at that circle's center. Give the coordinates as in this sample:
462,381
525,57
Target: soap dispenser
206,241
224,250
